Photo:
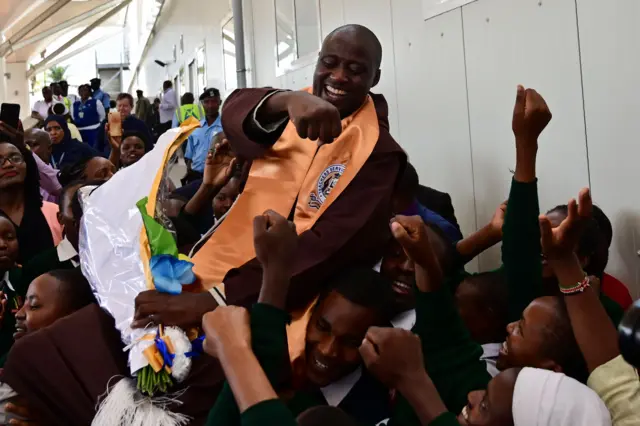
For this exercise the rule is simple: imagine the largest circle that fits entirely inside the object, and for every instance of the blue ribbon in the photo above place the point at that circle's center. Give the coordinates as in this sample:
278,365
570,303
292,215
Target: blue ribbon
196,347
164,351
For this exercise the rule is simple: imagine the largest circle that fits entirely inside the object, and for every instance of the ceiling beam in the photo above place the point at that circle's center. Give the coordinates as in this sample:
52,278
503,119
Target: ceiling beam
40,66
20,34
63,26
84,47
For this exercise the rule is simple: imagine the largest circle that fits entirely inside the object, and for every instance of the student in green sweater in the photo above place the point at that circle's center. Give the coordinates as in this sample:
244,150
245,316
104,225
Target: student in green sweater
451,379
522,265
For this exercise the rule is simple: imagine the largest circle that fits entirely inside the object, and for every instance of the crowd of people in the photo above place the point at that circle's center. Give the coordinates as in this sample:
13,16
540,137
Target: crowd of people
333,288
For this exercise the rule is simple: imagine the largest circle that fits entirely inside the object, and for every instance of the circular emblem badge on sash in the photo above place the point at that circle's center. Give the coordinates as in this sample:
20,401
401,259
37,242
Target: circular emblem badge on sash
327,181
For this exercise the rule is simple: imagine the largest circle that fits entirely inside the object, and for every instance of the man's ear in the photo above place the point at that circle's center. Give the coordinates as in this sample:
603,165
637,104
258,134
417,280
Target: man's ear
376,78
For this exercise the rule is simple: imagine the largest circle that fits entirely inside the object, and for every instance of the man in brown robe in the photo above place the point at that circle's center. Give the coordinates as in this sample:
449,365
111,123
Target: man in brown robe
354,228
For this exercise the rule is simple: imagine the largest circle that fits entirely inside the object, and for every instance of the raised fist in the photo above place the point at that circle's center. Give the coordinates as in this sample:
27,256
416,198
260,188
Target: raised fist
530,115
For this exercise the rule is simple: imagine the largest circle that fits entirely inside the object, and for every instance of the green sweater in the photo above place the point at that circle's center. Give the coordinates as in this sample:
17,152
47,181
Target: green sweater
521,251
452,359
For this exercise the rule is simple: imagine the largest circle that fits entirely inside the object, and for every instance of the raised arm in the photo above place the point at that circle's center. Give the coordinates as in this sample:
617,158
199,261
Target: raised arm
483,239
218,169
452,358
275,242
254,119
229,339
594,331
394,356
521,251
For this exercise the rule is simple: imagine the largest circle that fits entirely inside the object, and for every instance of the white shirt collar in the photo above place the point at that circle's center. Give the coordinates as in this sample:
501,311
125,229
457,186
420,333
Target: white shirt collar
67,252
490,353
6,280
338,390
405,320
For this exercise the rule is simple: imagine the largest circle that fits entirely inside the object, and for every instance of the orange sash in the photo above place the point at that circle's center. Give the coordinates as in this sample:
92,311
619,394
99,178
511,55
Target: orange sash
292,168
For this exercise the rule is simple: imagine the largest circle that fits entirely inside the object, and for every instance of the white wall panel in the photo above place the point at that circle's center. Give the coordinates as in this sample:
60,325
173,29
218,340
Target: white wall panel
432,104
536,44
376,15
264,22
610,38
199,22
331,15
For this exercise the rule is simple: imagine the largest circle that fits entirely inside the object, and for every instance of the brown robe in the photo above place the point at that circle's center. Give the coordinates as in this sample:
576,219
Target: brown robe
353,230
62,370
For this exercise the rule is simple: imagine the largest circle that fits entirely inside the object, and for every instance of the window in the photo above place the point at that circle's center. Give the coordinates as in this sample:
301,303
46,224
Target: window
229,56
192,78
201,60
175,53
181,44
297,31
183,89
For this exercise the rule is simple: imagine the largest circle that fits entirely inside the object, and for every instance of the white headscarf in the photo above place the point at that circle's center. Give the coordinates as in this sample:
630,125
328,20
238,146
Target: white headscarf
546,398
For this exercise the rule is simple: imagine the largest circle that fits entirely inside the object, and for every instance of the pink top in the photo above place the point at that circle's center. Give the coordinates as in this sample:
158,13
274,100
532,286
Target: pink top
50,212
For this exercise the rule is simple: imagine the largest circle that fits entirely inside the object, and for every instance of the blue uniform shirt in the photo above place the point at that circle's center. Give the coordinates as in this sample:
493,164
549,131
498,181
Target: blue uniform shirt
199,143
103,97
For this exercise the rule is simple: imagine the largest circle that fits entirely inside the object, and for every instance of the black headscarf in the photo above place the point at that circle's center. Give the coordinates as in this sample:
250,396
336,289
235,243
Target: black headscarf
69,150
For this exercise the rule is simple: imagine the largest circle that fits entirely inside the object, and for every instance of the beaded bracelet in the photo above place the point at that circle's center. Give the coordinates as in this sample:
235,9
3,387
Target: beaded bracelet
578,288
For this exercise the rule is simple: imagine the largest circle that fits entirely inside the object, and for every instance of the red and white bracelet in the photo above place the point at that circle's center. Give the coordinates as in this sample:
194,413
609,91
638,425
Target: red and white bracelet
578,288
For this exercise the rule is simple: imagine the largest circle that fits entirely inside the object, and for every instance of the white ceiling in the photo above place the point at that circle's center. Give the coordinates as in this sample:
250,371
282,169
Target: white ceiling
17,14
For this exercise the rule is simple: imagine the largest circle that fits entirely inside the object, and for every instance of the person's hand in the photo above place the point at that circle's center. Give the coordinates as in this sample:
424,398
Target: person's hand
392,355
219,165
560,242
313,117
20,407
115,142
497,221
275,240
530,116
411,233
226,328
183,310
16,136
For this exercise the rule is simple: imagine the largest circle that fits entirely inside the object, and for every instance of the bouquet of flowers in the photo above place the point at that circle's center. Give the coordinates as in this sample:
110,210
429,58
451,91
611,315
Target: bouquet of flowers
126,247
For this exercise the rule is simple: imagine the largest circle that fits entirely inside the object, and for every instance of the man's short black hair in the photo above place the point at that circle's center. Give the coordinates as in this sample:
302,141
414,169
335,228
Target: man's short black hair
74,288
560,344
366,35
364,287
188,98
492,295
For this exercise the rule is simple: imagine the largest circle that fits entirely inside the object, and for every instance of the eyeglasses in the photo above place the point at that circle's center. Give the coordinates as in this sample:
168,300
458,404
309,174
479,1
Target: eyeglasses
14,159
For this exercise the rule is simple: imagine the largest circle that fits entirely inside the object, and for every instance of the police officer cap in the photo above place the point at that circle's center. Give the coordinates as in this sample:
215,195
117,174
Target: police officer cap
210,93
95,80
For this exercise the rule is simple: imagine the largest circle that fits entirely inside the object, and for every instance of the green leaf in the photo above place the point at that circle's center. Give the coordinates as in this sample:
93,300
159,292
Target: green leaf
160,240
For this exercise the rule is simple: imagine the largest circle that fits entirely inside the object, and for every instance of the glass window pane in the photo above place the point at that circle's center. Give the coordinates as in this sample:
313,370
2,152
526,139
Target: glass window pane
285,35
307,27
202,76
229,56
